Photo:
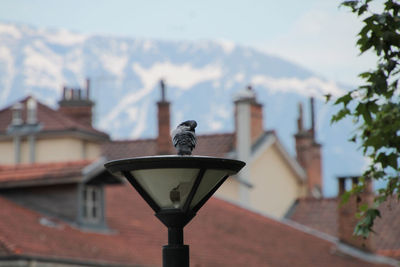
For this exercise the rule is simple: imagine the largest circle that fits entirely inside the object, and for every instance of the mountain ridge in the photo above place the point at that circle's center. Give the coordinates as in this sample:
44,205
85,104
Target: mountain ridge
202,79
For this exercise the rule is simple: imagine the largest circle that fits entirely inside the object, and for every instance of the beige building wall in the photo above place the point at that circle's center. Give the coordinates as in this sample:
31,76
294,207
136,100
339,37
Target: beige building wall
60,149
229,190
65,149
24,150
276,186
50,150
6,152
93,150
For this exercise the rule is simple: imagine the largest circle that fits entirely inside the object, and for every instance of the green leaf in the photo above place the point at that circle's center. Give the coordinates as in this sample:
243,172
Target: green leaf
340,115
392,160
350,3
327,97
363,207
362,9
364,112
344,99
365,75
345,198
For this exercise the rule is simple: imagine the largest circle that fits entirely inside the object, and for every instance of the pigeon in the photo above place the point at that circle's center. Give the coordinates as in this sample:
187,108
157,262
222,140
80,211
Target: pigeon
184,137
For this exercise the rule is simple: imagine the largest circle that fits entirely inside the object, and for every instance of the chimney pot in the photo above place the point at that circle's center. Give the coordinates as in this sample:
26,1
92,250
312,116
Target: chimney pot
162,86
312,117
87,88
300,119
64,92
342,185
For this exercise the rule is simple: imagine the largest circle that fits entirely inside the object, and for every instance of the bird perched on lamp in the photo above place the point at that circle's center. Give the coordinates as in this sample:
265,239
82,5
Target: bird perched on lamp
184,137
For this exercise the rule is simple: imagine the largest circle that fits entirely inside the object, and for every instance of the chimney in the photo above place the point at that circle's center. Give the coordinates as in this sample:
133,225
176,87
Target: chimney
164,143
346,213
31,120
248,128
31,114
308,152
76,104
255,114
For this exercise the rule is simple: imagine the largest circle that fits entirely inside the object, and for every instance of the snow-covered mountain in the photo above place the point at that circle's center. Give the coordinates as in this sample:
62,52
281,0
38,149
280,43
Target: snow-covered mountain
202,79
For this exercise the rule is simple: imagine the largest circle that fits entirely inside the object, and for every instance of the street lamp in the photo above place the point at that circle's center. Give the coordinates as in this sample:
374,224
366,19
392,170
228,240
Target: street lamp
175,187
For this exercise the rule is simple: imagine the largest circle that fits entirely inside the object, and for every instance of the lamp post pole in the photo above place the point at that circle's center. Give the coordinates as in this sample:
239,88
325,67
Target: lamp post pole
175,254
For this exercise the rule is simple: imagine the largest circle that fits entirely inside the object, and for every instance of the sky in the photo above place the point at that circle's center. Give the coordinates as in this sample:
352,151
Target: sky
315,34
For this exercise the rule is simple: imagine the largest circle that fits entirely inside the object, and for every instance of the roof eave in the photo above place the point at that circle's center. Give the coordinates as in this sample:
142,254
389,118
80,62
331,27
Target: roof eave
40,182
69,132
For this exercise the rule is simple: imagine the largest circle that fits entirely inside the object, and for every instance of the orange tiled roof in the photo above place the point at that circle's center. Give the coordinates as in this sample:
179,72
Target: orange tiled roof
221,235
14,174
321,214
129,148
51,120
216,145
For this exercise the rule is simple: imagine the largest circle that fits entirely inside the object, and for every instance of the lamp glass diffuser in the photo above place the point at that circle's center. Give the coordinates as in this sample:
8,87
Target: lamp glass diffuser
175,183
169,188
210,179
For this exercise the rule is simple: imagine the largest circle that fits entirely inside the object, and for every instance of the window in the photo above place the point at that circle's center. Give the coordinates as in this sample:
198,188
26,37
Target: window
92,211
17,114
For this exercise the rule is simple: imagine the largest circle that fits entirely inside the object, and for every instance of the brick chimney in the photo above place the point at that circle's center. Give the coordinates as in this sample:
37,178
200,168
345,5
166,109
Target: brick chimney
164,143
308,153
248,98
76,104
346,214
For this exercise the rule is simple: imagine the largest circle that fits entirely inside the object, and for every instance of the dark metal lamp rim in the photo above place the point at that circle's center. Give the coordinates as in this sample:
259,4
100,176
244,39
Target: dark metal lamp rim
160,162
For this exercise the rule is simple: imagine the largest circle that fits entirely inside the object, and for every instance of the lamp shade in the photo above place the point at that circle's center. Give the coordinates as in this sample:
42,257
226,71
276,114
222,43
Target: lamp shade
181,183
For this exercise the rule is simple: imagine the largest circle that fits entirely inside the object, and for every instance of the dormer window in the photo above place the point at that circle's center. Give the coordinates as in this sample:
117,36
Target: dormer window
92,205
17,114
